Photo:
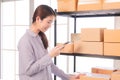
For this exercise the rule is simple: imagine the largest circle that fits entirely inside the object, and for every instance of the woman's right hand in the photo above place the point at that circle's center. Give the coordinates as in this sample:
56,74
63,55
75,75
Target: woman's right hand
56,51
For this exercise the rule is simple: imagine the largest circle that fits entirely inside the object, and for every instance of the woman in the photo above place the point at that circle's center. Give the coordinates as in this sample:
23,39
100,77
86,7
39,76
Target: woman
35,62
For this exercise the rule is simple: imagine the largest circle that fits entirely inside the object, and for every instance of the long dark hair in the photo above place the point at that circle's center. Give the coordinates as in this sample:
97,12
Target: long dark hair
43,11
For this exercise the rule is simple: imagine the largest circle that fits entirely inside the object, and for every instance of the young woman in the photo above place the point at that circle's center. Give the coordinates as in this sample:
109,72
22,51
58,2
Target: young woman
35,62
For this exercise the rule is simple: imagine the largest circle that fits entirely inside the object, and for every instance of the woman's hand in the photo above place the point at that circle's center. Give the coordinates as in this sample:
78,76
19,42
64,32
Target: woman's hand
73,77
76,77
56,51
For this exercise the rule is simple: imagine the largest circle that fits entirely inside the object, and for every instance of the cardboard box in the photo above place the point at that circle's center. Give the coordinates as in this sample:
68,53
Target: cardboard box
93,76
112,35
115,75
103,70
88,47
69,48
111,4
92,34
75,37
67,5
86,5
112,49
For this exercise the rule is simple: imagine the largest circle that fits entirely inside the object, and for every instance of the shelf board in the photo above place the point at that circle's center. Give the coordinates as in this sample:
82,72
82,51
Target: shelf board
91,55
94,13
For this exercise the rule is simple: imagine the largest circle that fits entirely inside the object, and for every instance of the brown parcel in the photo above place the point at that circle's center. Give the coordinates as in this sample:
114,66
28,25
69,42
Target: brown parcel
110,4
88,47
115,75
67,5
112,35
89,5
103,70
112,49
75,37
93,76
92,34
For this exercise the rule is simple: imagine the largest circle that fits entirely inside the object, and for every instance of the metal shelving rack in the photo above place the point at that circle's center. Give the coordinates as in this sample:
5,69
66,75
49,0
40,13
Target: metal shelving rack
79,14
93,13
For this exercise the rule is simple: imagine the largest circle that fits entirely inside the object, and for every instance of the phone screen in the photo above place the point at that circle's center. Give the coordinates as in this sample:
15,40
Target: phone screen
66,43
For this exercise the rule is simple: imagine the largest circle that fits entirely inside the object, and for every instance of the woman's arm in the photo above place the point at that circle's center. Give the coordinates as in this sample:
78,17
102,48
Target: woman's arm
59,73
62,75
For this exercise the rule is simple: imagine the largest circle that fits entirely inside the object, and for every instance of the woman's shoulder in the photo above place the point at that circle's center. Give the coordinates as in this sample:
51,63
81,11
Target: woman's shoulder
24,38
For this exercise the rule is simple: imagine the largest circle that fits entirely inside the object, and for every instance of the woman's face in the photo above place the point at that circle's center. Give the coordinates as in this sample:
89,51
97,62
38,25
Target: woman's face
46,23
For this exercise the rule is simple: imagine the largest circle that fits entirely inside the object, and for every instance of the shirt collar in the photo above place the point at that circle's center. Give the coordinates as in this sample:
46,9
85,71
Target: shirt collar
31,33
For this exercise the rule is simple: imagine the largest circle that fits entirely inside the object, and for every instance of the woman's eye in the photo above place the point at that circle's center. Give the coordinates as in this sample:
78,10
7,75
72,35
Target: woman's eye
49,22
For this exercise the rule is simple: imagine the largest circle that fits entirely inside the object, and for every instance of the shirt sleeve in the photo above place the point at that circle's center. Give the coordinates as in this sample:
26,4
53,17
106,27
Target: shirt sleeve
28,64
59,73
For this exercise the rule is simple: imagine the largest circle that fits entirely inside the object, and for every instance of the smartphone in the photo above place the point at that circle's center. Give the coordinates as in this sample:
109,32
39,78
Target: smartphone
66,43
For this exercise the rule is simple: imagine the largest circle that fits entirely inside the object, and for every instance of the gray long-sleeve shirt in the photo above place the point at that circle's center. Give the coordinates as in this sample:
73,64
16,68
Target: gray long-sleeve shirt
34,60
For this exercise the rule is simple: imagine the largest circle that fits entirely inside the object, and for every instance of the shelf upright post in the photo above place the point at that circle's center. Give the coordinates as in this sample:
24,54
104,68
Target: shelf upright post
74,66
55,40
0,38
74,24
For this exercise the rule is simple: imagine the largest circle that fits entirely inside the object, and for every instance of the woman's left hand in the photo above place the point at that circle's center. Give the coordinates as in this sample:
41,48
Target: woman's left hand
74,77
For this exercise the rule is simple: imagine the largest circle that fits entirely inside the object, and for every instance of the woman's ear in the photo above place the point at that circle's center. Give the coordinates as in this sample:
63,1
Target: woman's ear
38,19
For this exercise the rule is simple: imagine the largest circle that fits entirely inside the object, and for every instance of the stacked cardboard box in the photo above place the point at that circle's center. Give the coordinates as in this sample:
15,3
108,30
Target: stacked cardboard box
92,34
98,41
101,73
67,5
75,37
112,42
87,5
103,70
91,41
115,75
111,4
88,47
94,76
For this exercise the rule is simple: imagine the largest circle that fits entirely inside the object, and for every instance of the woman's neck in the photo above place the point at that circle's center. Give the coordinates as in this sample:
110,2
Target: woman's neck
34,29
